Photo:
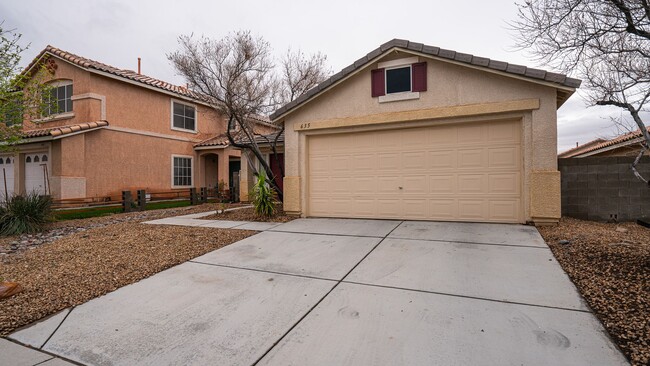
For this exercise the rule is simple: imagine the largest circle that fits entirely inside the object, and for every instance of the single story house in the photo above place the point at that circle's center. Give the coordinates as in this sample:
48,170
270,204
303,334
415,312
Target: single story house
117,129
411,131
627,144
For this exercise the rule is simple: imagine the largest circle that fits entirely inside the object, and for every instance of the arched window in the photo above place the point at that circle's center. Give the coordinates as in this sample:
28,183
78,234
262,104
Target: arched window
36,159
44,158
2,161
28,160
8,160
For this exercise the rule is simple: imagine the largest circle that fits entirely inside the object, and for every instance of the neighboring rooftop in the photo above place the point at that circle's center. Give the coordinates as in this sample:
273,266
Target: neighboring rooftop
598,145
560,80
64,130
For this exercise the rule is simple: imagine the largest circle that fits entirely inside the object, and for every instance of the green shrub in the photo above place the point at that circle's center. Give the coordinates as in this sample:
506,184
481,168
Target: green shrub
24,214
264,196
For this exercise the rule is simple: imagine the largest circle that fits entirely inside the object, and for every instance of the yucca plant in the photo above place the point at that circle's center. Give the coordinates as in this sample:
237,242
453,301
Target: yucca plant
24,214
264,196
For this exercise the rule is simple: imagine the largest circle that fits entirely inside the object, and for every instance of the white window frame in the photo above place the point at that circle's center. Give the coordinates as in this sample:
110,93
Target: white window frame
191,170
59,115
398,64
171,116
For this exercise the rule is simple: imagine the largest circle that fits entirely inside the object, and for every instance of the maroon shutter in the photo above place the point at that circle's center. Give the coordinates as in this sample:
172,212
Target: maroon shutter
419,77
378,83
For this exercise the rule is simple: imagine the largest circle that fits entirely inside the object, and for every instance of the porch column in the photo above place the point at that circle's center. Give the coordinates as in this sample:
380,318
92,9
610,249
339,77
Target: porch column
19,174
223,168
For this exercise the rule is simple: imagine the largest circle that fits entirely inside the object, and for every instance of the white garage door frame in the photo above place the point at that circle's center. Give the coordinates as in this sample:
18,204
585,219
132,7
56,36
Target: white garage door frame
515,118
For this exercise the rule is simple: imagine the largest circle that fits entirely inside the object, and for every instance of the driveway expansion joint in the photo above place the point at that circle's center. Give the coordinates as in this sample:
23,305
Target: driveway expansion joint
472,242
57,328
467,297
264,271
328,292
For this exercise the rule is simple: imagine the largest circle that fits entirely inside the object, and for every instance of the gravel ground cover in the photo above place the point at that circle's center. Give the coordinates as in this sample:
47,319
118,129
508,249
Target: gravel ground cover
93,262
16,244
610,266
248,214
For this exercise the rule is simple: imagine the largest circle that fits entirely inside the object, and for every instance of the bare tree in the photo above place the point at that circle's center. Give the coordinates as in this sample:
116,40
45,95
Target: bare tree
604,42
301,72
237,76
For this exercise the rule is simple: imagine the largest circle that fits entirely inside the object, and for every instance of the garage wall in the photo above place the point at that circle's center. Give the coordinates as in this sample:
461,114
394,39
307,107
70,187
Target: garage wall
448,85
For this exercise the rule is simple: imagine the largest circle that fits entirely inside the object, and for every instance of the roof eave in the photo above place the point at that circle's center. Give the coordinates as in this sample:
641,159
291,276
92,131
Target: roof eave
378,54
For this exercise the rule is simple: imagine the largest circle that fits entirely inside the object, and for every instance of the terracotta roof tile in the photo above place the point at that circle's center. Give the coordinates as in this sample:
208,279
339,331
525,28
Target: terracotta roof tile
126,74
519,70
64,130
598,144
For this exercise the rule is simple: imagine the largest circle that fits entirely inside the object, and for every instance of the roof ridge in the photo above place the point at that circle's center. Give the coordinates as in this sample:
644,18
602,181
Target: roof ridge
465,58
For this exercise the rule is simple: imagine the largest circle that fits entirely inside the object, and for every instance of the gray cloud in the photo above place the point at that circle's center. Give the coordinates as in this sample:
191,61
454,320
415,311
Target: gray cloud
118,32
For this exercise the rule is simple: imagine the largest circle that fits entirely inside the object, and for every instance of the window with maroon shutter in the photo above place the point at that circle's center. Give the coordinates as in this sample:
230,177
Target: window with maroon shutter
419,77
378,83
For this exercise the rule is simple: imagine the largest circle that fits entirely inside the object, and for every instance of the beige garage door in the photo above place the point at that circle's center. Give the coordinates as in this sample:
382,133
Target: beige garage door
462,172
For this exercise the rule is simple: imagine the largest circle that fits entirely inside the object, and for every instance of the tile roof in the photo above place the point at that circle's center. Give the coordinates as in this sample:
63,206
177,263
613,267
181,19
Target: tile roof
214,141
481,62
64,130
87,63
222,140
598,144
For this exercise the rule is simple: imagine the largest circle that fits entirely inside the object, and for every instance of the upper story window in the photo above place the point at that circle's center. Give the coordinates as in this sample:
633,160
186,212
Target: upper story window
183,116
59,99
399,79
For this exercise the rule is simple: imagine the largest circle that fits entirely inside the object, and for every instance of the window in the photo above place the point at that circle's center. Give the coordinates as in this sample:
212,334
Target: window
44,159
183,116
182,171
37,159
59,100
399,81
28,160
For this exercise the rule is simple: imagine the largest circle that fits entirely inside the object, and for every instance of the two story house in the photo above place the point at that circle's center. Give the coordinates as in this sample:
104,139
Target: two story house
114,130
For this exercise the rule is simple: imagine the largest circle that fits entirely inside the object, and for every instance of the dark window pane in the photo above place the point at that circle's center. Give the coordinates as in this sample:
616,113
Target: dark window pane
61,106
68,91
8,160
68,105
44,158
2,161
37,159
189,112
28,160
178,121
398,80
178,109
189,123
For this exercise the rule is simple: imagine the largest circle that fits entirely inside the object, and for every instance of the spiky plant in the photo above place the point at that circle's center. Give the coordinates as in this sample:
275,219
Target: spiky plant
24,214
264,196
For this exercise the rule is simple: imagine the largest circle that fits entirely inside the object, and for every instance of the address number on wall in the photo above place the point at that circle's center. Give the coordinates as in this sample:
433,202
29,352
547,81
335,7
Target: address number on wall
304,126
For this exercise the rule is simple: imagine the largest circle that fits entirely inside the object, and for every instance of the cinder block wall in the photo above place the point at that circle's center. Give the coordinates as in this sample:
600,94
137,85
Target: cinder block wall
602,188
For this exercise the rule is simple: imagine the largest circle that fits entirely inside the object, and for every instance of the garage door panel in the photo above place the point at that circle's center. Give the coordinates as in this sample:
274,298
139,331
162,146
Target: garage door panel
467,172
388,161
440,184
415,208
471,158
505,183
364,162
469,209
443,208
415,184
503,132
444,159
472,183
503,210
504,157
389,208
473,133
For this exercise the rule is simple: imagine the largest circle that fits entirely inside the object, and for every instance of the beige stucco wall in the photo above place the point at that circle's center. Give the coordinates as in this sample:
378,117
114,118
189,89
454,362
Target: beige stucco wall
448,85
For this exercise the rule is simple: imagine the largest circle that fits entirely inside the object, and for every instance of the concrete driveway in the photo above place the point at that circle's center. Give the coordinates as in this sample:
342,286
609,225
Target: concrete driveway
345,292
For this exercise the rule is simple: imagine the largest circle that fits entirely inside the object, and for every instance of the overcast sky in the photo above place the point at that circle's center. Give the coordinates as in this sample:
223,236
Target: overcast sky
118,32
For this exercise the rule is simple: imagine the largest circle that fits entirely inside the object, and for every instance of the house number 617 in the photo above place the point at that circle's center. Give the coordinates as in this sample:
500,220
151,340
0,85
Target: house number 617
305,125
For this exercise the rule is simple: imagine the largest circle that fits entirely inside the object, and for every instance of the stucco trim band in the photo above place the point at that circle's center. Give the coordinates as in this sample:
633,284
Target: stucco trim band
423,114
150,134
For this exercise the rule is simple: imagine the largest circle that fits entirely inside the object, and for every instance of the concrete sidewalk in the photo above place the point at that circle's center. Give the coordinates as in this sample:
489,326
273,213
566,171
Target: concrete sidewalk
344,292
